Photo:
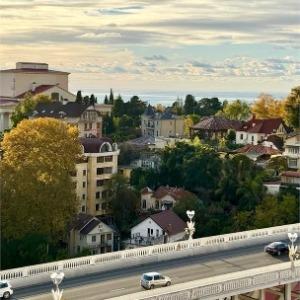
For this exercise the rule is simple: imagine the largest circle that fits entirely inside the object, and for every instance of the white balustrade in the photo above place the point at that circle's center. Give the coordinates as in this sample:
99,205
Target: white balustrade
171,249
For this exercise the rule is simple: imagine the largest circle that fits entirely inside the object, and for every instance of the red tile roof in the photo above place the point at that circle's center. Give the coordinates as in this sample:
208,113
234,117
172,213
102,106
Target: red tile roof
39,89
176,193
294,174
30,70
169,222
259,149
215,123
266,126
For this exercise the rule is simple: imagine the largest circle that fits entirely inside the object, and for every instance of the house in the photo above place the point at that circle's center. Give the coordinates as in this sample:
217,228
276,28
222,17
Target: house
93,171
291,178
158,228
85,117
292,150
92,234
161,124
164,197
257,130
214,127
34,78
258,153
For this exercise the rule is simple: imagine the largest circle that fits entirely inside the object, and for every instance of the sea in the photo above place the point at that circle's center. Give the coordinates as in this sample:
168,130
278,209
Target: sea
167,98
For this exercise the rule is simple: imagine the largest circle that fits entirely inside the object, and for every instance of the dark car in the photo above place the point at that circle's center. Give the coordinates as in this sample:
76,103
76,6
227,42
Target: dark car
277,248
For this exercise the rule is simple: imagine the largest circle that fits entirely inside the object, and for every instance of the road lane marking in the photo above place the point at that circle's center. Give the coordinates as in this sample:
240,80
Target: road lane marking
120,289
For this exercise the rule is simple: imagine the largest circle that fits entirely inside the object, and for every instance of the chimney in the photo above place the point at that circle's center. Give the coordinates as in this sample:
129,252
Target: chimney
33,86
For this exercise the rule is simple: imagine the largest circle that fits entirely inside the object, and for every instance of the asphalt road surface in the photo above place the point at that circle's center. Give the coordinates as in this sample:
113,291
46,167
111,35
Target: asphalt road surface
109,284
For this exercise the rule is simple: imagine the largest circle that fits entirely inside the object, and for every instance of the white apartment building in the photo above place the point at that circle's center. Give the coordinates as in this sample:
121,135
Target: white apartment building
292,150
93,172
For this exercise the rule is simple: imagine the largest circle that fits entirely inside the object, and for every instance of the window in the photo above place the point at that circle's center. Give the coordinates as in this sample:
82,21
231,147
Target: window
83,184
84,173
98,125
157,232
97,195
83,196
104,205
252,138
74,184
151,231
104,194
144,203
100,182
97,206
93,238
108,236
100,159
156,277
108,158
83,208
3,285
55,96
78,248
102,238
156,204
156,133
100,171
241,136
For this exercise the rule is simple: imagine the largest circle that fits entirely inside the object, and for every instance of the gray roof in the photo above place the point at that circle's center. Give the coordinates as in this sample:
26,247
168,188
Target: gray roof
215,123
60,110
150,111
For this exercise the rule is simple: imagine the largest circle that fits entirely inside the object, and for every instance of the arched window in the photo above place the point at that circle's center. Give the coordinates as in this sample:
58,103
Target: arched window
144,204
105,147
156,204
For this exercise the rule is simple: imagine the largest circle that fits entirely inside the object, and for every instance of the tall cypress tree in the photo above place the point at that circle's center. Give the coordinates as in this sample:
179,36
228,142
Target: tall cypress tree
93,99
105,99
111,97
79,98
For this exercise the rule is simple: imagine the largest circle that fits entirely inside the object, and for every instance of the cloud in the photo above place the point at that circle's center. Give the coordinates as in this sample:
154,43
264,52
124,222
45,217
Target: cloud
113,11
156,57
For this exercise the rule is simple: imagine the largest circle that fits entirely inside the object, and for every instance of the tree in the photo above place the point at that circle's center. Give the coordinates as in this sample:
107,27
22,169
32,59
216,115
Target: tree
123,202
189,104
93,99
108,125
159,108
106,100
266,107
118,107
292,108
79,98
26,107
111,97
86,100
177,107
278,164
208,106
236,110
37,190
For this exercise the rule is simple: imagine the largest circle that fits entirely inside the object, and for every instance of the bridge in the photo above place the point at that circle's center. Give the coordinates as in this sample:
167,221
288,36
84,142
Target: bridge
207,268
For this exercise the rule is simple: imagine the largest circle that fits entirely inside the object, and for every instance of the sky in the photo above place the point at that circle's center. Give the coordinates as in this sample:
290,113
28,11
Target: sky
158,45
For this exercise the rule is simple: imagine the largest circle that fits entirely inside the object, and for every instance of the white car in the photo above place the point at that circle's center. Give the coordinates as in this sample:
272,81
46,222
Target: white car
153,279
5,289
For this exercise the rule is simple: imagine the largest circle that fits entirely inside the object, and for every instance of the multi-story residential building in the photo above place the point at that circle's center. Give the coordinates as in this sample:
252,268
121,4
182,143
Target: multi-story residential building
257,130
164,124
292,150
85,117
99,163
33,78
93,234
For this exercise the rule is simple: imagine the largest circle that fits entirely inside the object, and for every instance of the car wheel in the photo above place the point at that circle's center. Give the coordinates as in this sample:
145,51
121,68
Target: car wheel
6,295
168,283
151,286
279,253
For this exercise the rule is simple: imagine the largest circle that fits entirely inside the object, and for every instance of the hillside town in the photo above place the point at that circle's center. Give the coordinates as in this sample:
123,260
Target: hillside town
129,171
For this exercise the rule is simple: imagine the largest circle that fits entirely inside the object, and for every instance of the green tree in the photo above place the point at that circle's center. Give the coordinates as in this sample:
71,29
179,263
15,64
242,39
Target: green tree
111,97
235,110
190,104
37,190
278,164
177,107
106,100
26,107
86,100
208,106
124,203
292,108
108,125
118,107
93,99
79,98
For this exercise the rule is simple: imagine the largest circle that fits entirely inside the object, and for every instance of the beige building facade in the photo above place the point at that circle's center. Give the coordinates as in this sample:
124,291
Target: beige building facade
292,150
26,75
93,173
163,124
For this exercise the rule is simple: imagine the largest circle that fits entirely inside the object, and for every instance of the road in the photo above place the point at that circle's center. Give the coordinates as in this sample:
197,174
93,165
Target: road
126,281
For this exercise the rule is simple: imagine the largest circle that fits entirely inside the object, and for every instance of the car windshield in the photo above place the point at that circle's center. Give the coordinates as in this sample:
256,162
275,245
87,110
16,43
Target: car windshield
147,277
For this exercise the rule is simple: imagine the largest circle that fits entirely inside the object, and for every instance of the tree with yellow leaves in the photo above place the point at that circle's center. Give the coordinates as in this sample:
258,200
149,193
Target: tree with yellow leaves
37,193
266,107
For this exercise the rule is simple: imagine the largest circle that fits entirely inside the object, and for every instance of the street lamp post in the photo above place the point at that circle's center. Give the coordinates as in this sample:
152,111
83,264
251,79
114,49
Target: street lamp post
190,229
293,249
57,278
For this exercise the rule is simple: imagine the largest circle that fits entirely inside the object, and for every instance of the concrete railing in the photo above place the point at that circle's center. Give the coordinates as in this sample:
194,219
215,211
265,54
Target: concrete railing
151,254
224,285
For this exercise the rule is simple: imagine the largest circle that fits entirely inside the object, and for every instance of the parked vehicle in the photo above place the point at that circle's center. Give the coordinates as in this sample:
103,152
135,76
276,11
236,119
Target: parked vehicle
153,279
5,289
277,248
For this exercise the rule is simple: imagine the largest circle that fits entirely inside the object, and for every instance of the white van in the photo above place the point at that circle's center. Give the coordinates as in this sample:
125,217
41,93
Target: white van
5,289
153,279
